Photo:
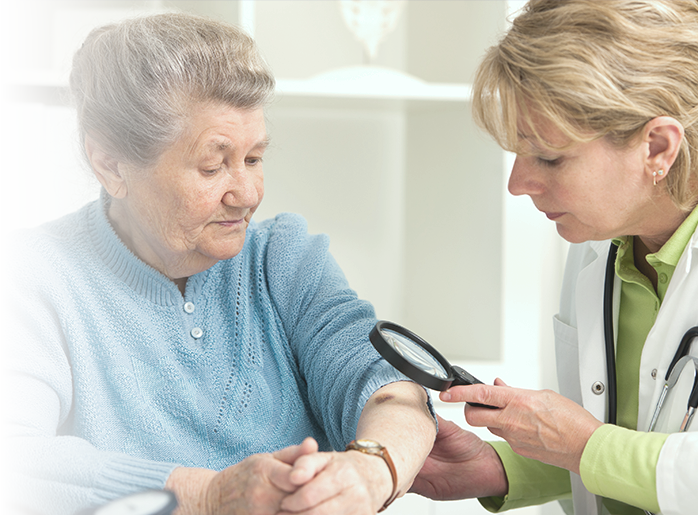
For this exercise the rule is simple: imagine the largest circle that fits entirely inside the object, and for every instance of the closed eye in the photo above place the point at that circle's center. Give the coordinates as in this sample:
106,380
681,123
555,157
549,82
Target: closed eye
550,163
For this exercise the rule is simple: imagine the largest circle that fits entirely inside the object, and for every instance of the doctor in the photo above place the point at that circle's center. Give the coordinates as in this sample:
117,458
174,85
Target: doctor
599,100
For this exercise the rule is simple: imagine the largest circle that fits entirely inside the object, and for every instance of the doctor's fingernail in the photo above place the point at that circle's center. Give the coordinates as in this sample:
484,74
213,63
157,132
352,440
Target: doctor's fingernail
445,396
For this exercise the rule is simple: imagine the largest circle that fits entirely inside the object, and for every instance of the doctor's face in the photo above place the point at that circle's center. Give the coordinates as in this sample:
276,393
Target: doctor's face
592,191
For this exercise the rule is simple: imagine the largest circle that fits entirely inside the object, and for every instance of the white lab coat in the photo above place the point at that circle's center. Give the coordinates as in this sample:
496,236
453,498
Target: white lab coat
581,362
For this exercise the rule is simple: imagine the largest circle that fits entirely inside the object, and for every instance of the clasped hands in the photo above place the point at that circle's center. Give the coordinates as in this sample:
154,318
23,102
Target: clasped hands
300,480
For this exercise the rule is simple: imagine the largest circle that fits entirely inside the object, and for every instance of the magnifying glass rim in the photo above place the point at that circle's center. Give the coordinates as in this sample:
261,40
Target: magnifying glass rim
402,364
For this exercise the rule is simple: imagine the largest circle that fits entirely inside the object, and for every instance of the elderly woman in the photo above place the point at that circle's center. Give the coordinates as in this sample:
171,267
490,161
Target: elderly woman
599,100
165,340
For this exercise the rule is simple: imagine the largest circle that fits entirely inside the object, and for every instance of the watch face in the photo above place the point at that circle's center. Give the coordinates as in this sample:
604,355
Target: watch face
368,444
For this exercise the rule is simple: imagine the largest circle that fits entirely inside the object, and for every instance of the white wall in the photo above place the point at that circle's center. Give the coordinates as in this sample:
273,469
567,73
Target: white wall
356,170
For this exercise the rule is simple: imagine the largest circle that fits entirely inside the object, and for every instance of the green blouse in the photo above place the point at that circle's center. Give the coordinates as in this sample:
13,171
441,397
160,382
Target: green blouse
618,461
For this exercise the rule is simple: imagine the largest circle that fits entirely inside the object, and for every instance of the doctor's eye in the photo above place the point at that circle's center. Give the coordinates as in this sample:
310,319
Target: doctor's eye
550,163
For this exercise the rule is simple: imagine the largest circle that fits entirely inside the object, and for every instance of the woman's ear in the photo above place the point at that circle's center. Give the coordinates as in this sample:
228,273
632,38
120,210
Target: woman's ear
106,169
663,136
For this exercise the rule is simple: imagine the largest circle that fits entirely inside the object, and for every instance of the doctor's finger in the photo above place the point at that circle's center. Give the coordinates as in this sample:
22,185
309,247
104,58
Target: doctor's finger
478,393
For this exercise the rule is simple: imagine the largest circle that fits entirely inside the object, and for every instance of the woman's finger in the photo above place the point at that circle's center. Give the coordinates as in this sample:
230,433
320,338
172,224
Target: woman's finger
279,475
307,467
337,505
290,454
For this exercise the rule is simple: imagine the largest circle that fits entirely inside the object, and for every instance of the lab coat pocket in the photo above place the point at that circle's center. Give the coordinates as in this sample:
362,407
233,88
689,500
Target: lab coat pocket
567,359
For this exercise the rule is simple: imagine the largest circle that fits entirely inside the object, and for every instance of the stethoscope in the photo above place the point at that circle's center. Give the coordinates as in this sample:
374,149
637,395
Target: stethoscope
678,363
418,360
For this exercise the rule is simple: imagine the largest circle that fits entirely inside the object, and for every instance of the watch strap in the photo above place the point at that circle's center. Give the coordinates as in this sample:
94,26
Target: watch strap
378,450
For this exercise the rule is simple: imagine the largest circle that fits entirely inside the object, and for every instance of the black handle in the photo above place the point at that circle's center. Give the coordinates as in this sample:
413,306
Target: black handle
464,378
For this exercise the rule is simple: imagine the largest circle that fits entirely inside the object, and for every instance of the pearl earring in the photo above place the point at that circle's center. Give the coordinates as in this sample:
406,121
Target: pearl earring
654,176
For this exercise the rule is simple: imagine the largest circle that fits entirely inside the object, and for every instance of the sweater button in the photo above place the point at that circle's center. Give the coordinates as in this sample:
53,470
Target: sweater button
189,307
197,333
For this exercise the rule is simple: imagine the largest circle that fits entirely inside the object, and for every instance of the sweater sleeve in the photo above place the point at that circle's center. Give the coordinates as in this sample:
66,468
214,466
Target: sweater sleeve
45,470
327,326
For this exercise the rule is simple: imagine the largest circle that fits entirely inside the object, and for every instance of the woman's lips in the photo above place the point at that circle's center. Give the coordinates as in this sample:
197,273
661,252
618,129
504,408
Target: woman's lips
231,223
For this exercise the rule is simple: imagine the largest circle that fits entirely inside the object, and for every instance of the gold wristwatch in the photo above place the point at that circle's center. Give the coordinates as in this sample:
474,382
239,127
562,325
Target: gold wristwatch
376,449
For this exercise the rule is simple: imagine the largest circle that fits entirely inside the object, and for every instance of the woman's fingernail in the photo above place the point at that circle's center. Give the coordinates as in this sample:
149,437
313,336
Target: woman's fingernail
445,396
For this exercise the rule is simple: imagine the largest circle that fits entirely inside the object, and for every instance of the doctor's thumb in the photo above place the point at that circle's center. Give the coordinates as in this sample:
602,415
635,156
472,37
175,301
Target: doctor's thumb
499,382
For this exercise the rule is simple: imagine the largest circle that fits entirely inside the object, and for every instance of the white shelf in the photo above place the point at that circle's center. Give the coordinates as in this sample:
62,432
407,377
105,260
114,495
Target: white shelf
357,82
373,82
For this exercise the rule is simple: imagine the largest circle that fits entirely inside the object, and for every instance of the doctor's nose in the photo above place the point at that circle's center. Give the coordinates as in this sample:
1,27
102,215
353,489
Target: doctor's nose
524,179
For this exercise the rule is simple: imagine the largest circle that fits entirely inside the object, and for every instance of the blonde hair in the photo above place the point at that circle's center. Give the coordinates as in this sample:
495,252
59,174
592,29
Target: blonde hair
595,69
135,83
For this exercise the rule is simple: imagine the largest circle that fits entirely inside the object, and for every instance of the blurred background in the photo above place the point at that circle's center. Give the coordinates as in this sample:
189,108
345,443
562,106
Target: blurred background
372,141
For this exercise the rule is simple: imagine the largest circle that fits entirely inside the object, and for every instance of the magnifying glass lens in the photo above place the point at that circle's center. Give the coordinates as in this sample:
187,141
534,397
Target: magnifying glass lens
414,354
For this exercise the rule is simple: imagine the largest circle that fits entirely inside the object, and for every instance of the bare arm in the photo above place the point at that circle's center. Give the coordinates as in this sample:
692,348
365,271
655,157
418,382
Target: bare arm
396,416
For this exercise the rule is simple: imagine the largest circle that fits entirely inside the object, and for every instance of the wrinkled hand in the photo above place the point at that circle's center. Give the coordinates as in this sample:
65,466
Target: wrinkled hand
542,425
258,484
460,466
337,483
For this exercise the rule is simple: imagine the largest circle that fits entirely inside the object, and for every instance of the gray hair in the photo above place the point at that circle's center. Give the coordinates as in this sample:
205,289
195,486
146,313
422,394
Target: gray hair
135,83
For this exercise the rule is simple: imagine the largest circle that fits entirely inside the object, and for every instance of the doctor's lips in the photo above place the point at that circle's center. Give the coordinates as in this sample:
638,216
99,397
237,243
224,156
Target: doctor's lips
553,216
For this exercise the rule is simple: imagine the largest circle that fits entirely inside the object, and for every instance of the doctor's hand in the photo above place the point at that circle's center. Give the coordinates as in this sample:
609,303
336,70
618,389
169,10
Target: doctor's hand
338,483
460,466
255,486
538,424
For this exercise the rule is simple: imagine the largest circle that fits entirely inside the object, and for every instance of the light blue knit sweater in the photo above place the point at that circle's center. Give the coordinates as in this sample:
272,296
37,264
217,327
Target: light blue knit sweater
116,379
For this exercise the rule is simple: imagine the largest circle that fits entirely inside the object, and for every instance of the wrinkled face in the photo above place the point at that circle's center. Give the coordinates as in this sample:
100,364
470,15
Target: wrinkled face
592,191
193,207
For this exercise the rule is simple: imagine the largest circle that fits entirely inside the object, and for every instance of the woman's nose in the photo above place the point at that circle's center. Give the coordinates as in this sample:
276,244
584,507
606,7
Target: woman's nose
523,179
243,188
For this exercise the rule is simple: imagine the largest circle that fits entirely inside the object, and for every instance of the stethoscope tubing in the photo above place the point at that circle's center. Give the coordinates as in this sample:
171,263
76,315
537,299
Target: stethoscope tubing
608,334
677,364
672,377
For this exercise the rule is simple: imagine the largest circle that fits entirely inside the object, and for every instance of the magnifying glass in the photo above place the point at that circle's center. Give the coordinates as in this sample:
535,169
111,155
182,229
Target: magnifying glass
418,360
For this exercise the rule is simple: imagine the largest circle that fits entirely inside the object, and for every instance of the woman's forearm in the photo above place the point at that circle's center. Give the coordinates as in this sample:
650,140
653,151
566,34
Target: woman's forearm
397,416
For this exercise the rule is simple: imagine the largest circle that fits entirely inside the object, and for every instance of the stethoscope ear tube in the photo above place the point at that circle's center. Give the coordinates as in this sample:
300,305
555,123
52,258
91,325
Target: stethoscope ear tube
672,377
683,349
692,405
608,333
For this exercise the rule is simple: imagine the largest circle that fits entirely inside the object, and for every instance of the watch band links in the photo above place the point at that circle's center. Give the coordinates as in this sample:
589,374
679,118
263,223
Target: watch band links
373,448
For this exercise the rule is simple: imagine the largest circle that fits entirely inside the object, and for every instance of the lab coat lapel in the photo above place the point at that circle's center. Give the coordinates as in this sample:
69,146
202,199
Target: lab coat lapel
592,359
678,312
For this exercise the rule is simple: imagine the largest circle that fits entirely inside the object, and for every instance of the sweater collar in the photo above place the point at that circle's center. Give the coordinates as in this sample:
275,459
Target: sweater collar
143,279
